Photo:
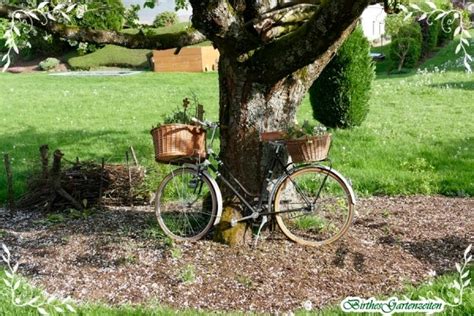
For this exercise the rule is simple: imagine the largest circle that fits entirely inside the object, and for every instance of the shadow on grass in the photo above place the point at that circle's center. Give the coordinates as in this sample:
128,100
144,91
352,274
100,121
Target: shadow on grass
462,85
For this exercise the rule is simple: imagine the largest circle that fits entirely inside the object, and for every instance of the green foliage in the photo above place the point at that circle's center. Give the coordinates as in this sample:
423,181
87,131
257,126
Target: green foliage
430,30
340,96
3,28
179,4
393,23
188,274
102,15
405,49
131,16
430,27
184,114
166,18
49,64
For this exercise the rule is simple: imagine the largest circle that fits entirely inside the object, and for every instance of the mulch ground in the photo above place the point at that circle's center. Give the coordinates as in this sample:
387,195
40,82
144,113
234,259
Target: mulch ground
112,257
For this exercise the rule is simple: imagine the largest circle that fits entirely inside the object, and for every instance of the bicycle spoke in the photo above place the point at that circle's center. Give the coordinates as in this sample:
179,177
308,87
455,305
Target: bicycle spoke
321,222
186,205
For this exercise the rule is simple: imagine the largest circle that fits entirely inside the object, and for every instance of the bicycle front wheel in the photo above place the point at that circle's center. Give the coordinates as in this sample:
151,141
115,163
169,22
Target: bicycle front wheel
313,206
186,205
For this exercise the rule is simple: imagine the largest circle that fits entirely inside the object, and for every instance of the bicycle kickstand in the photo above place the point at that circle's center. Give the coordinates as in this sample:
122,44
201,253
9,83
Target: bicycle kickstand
264,221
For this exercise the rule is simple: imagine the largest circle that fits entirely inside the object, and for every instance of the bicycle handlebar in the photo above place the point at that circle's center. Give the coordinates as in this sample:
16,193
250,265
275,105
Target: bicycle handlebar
204,123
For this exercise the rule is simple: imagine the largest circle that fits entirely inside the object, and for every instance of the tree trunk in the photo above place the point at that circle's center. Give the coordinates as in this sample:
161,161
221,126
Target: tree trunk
246,109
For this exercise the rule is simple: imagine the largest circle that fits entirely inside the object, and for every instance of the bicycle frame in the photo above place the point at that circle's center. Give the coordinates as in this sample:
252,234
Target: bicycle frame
257,211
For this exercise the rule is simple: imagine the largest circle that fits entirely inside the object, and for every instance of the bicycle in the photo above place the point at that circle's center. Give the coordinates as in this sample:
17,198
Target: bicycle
312,203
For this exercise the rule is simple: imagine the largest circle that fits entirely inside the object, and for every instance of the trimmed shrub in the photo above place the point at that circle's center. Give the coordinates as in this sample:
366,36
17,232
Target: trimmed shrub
102,15
430,33
3,28
406,45
49,64
166,18
340,96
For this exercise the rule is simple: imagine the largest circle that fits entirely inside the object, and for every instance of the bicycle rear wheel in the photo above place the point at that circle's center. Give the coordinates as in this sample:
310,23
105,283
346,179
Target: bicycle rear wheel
313,206
186,205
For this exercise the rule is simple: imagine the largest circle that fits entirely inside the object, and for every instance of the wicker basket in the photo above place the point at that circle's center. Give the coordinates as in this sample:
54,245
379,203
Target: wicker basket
309,149
175,141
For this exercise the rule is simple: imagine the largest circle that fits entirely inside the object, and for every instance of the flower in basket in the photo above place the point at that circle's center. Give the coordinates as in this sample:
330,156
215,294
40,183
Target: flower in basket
184,113
307,143
305,131
178,137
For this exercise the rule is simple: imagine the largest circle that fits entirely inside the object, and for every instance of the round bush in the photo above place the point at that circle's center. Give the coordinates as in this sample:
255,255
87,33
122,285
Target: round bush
340,96
166,18
406,45
103,15
49,64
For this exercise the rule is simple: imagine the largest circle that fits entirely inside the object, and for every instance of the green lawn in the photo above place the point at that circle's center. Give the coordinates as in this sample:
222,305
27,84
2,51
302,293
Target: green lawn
417,138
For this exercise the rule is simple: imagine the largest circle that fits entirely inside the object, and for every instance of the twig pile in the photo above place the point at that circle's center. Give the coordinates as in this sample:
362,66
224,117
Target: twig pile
82,185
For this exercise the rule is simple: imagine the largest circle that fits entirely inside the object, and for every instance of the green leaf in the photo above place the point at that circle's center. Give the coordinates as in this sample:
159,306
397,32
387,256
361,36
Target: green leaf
42,5
458,267
33,300
70,308
431,5
58,309
468,249
5,249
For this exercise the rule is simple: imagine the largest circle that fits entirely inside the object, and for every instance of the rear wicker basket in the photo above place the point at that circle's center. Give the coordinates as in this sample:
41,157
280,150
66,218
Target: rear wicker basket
176,141
309,149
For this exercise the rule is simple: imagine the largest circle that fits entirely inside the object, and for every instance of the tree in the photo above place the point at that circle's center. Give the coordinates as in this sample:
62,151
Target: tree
270,54
166,18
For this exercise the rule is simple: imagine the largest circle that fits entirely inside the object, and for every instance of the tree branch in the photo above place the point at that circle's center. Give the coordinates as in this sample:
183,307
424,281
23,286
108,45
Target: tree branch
139,40
224,26
279,22
303,46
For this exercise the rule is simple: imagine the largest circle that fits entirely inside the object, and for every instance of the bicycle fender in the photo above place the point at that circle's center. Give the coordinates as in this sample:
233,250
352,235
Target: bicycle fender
216,188
344,180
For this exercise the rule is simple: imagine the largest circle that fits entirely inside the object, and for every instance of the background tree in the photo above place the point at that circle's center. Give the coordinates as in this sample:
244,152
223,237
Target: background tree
340,96
407,40
270,54
166,18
